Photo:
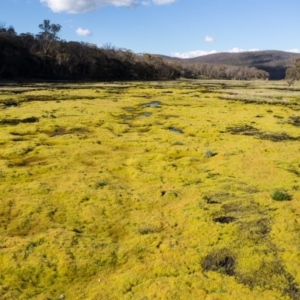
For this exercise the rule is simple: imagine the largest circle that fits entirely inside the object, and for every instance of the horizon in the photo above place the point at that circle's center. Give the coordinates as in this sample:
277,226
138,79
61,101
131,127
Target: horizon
238,52
175,28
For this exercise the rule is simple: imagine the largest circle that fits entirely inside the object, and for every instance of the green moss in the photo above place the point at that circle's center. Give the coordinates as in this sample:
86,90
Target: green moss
102,201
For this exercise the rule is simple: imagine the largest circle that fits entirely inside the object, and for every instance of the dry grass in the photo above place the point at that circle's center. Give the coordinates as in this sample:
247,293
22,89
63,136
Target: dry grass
101,198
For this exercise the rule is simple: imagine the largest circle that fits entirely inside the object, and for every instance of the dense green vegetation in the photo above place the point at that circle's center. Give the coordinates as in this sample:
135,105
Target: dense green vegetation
150,190
45,56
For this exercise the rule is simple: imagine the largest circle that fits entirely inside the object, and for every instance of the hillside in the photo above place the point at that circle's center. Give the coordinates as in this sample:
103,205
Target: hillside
272,61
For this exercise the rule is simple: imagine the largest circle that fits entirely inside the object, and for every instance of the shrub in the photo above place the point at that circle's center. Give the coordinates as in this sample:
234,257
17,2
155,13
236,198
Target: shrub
278,195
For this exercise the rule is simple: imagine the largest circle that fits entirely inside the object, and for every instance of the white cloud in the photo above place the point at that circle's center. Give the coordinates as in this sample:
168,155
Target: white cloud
236,50
162,2
209,39
83,6
293,50
83,32
239,50
191,54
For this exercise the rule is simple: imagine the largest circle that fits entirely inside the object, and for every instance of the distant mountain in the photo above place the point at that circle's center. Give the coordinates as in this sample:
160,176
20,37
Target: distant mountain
272,61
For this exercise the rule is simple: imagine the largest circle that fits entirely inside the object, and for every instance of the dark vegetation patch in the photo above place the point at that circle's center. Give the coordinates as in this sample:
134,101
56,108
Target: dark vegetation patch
254,223
79,130
243,130
19,134
220,261
278,137
292,289
294,171
166,117
258,101
294,120
141,128
241,206
268,271
255,230
271,274
251,190
18,121
57,131
210,200
38,98
60,130
207,154
18,139
178,143
148,229
252,131
26,162
218,197
101,184
10,103
212,175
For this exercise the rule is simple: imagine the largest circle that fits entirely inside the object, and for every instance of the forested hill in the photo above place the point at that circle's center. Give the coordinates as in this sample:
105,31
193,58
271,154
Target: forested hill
45,56
272,61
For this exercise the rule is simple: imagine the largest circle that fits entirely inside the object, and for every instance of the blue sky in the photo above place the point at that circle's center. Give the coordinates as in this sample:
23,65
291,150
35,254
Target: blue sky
183,28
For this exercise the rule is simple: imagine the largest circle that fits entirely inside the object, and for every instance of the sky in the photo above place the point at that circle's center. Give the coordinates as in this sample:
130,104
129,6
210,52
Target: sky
182,28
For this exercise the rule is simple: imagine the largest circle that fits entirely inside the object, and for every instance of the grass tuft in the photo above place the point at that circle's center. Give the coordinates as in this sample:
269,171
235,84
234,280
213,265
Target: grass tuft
279,195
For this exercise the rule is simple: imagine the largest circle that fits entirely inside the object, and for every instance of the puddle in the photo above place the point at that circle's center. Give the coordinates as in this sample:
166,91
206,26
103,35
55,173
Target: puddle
224,220
128,108
151,104
146,114
175,130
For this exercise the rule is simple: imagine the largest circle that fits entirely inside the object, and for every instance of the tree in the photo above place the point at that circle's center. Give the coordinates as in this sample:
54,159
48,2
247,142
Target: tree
4,31
48,35
293,73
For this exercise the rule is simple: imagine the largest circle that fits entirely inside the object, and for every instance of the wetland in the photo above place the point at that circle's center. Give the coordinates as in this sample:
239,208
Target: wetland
150,190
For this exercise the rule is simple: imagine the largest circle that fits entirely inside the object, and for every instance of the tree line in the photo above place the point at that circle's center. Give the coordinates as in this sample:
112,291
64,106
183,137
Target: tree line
45,56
